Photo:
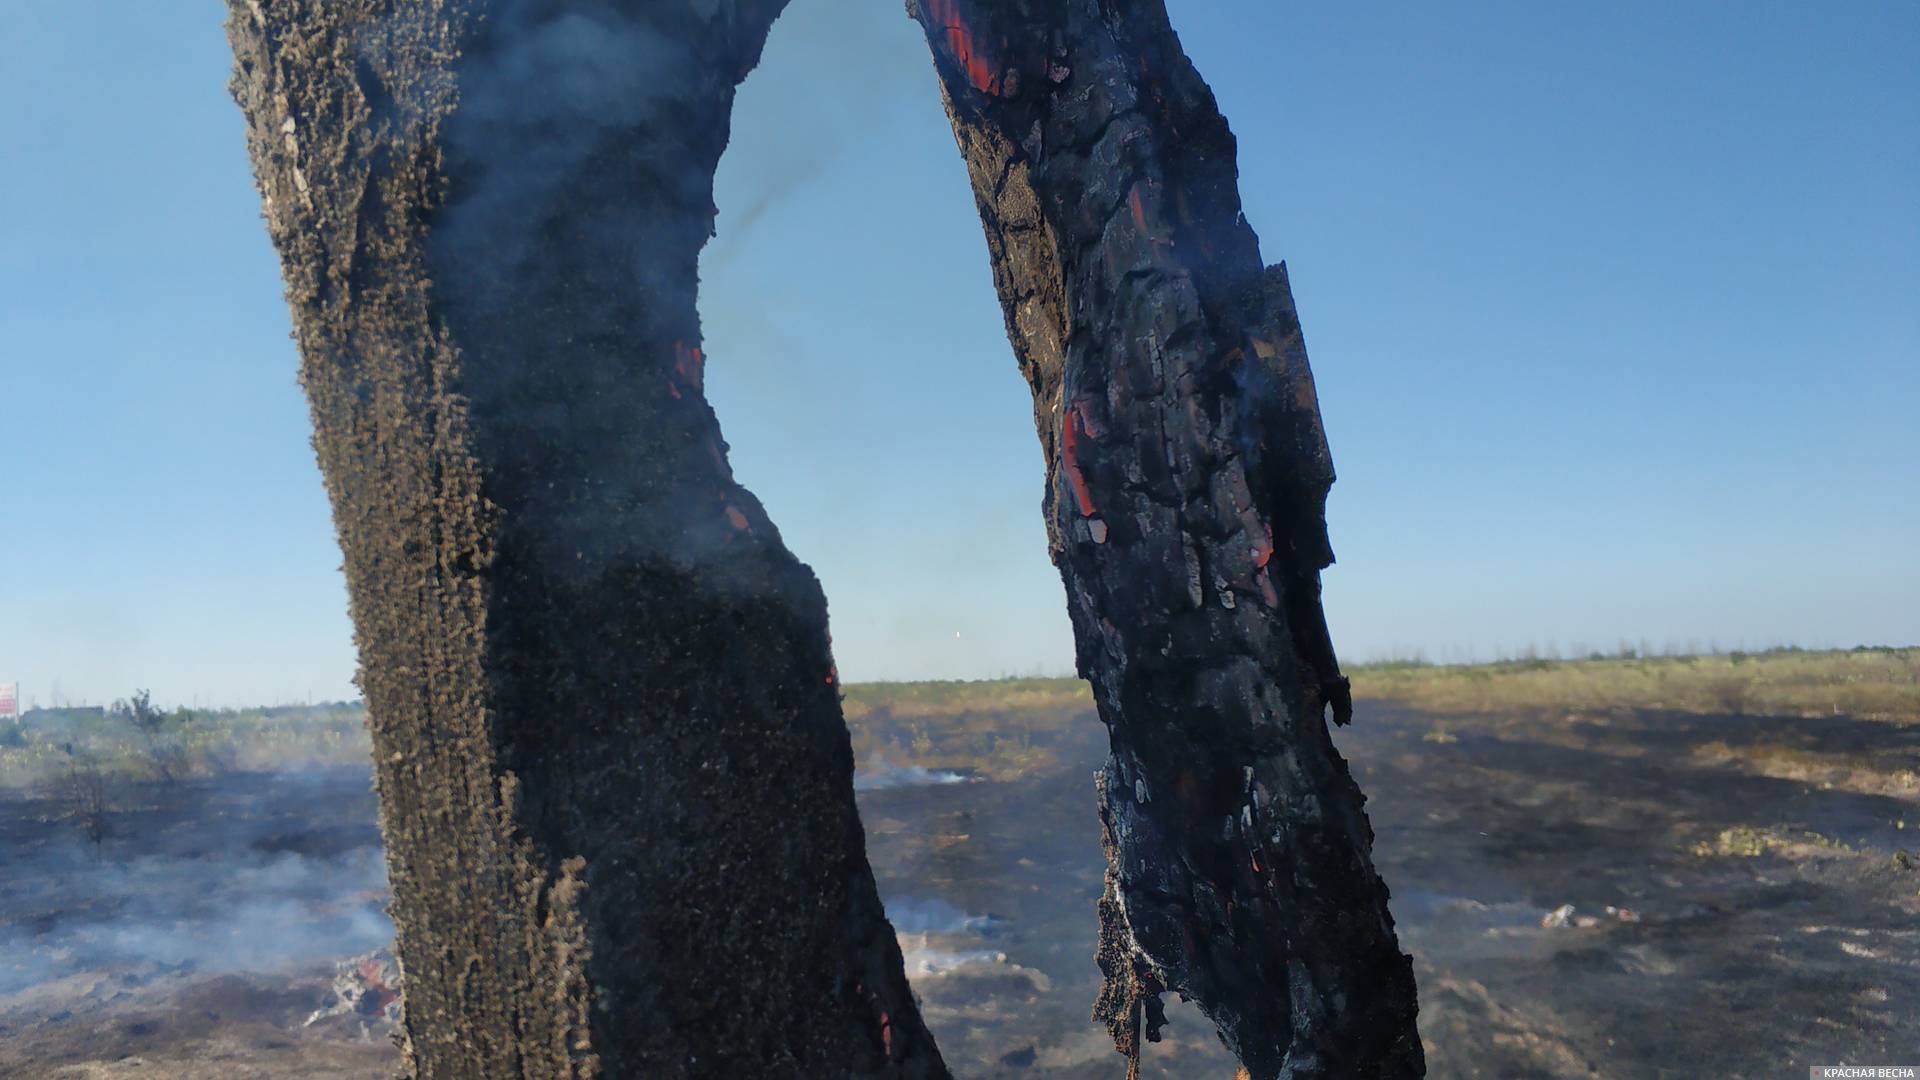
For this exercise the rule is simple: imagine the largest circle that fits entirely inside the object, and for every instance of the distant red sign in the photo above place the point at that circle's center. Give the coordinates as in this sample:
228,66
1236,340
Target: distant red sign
10,700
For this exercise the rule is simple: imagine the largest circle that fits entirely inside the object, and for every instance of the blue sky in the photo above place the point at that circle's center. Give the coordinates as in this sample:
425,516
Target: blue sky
1612,311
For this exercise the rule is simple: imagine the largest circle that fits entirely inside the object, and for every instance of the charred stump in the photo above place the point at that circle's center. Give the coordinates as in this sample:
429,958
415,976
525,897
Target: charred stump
1187,475
615,783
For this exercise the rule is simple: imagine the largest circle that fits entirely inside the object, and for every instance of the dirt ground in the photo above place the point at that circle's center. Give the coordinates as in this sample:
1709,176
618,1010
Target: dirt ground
1743,905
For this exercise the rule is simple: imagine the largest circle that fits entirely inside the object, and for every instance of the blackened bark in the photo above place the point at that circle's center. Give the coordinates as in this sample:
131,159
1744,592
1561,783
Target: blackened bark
1187,475
614,779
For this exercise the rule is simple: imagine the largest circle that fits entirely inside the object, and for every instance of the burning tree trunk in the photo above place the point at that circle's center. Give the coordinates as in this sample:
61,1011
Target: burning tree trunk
1187,475
614,779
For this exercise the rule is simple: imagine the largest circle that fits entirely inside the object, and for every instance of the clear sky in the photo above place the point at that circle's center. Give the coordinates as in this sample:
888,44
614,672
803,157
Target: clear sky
1614,309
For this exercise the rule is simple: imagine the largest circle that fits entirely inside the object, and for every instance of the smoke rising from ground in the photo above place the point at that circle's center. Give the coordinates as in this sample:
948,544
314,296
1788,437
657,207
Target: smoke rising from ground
206,876
259,872
918,915
879,774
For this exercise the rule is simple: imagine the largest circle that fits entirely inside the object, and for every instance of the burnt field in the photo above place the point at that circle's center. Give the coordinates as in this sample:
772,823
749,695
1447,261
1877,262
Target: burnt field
1742,898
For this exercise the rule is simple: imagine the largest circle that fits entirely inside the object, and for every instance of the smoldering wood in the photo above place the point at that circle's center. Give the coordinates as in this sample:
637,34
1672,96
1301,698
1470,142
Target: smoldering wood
1187,473
615,783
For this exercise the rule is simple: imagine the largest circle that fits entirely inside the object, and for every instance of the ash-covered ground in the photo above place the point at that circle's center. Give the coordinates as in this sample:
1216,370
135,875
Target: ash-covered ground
1731,915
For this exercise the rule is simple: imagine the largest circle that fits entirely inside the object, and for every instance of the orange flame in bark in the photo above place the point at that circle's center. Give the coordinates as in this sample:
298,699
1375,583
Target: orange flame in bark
689,369
1267,591
691,366
946,15
886,1021
1069,446
1137,202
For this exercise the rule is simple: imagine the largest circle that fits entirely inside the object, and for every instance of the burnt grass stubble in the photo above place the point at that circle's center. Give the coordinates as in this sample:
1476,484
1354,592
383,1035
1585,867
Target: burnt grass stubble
1736,966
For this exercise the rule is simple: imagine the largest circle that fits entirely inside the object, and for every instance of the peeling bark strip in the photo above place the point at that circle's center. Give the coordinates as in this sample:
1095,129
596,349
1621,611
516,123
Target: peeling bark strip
615,783
1187,475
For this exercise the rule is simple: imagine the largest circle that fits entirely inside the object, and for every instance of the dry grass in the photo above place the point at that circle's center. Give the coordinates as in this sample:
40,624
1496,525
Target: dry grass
1875,684
944,700
999,728
1750,842
1004,727
1867,769
42,746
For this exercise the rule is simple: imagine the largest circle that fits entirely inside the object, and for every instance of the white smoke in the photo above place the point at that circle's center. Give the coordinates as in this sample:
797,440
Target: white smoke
913,915
214,890
879,774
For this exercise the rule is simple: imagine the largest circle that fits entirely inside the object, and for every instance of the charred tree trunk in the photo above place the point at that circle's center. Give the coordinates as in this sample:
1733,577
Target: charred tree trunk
1187,475
615,783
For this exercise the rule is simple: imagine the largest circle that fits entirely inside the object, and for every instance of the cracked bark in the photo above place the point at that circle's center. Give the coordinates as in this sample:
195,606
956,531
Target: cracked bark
615,783
1187,475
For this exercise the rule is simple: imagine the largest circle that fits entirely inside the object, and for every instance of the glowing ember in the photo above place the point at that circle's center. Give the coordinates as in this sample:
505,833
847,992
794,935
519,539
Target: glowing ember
1267,591
379,995
367,987
689,369
691,366
737,519
1263,547
946,14
1137,202
1069,446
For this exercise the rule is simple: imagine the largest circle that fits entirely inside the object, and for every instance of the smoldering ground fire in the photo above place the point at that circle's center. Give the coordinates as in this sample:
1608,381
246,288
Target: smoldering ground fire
990,908
211,883
365,987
